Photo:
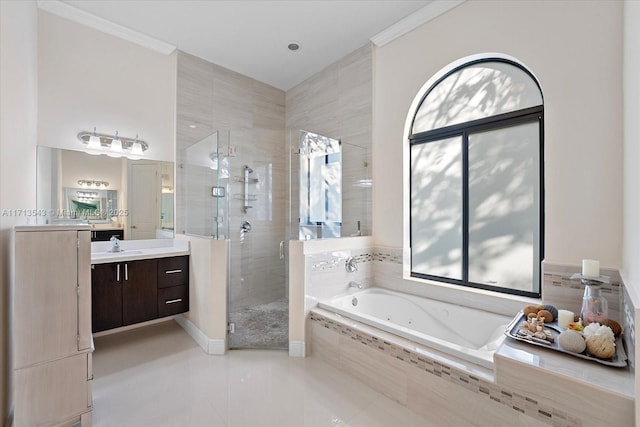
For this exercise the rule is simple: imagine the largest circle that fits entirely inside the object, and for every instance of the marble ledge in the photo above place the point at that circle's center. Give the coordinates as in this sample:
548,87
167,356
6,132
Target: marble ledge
564,368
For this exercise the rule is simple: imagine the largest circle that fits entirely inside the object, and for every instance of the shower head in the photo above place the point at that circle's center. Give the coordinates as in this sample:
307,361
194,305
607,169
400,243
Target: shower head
248,169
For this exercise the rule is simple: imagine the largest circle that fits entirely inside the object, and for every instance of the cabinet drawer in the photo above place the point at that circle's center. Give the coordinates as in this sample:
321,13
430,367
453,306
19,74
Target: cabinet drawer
173,271
173,300
49,392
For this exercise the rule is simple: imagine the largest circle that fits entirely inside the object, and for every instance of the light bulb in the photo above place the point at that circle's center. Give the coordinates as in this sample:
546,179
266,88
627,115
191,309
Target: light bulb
116,145
136,149
94,143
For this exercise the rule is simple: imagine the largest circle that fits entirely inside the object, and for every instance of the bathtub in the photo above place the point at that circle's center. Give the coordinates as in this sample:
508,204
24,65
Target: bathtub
469,334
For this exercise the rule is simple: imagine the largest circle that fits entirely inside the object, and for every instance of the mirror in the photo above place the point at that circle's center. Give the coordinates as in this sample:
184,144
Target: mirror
90,204
110,193
330,187
320,187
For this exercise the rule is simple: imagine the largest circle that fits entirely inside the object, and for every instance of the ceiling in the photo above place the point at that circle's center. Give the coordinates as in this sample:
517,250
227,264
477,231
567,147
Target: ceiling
251,37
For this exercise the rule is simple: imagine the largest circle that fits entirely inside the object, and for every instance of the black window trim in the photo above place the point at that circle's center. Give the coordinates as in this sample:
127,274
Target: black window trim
466,65
500,121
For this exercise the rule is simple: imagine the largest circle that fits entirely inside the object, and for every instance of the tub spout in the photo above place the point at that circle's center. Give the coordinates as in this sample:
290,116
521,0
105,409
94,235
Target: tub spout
354,284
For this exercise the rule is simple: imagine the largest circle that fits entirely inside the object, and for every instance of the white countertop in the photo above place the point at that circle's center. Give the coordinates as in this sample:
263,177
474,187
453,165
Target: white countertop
138,249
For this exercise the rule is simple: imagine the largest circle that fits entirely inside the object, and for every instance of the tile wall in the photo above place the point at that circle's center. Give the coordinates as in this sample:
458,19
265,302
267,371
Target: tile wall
337,102
211,98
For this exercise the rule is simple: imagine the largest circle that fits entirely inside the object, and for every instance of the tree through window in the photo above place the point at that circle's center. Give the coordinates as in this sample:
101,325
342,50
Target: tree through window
476,179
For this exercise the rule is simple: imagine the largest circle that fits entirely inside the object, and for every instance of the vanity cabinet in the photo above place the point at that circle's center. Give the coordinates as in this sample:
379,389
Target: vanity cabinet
52,326
129,292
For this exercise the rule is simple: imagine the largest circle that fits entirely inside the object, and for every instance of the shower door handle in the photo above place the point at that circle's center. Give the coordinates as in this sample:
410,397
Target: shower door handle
282,249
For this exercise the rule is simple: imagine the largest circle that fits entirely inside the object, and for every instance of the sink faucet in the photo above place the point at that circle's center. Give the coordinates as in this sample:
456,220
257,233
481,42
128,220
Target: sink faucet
115,244
354,284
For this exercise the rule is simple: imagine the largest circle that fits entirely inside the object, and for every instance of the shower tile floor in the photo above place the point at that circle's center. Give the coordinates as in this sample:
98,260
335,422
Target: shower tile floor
261,326
158,376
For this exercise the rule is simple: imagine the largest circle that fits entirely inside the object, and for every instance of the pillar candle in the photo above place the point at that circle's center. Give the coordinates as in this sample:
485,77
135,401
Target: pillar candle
590,268
564,318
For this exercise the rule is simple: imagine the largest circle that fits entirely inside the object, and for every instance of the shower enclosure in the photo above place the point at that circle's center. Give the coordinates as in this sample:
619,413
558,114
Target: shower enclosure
235,185
238,186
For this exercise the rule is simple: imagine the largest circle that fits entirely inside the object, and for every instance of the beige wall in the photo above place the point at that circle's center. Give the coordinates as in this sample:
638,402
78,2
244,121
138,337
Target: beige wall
631,242
90,79
575,50
208,286
18,114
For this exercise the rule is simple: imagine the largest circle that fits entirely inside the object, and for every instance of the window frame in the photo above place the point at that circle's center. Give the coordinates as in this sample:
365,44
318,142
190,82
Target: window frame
463,130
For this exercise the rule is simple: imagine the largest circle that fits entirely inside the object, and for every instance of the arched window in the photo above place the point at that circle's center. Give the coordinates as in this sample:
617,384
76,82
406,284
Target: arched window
476,178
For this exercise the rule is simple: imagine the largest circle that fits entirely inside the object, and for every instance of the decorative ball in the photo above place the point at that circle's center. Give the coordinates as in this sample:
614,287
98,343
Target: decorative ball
571,341
615,327
595,329
600,346
551,309
530,309
546,315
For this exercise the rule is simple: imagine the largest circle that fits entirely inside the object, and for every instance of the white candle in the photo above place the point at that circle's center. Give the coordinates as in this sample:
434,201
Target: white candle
564,318
590,268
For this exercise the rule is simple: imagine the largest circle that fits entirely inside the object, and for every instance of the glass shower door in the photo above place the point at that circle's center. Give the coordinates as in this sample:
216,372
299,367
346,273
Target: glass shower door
258,300
206,175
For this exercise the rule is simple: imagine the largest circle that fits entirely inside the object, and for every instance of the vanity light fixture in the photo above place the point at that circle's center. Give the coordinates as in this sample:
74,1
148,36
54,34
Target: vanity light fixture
92,183
114,145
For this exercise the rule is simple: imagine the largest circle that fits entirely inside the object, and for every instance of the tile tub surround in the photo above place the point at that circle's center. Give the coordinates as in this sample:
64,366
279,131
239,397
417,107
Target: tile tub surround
426,381
421,379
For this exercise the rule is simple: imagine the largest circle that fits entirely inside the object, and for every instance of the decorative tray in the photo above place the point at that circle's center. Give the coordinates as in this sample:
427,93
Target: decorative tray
618,360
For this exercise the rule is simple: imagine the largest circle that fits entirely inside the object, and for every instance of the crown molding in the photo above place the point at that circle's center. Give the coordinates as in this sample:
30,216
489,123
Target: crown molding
426,14
73,14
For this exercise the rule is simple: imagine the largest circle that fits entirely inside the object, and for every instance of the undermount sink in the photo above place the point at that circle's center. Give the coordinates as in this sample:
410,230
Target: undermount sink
110,254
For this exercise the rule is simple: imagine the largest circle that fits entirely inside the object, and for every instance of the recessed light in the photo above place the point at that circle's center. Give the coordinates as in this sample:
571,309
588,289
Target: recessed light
193,126
293,46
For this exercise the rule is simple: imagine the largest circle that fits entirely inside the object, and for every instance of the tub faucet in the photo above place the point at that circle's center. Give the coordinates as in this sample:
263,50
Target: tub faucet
354,284
115,245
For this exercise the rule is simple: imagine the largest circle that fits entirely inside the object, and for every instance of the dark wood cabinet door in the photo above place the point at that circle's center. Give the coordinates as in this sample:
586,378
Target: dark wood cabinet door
139,291
106,297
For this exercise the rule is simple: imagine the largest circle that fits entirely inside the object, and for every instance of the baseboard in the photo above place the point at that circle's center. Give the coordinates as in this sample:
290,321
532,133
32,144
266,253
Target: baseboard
210,346
297,349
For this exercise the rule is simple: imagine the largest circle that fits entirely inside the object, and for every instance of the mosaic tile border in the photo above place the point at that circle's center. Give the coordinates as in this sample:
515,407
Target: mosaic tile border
332,262
565,281
517,402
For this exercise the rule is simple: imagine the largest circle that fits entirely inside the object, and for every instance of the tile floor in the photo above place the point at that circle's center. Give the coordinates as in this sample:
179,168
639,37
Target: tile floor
158,376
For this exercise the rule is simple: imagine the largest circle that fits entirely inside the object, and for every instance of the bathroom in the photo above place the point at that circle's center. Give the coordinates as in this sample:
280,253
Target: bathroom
589,198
